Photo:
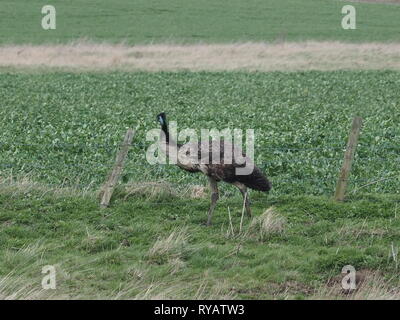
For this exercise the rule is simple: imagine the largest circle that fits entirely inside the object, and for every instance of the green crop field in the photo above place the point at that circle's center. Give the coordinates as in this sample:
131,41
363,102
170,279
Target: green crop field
60,132
144,21
65,128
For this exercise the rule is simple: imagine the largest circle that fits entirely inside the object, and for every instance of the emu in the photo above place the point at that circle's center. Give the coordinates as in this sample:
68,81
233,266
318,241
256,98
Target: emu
215,172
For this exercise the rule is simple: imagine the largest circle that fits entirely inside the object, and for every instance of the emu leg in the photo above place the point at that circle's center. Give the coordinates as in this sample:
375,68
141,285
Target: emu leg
245,194
214,199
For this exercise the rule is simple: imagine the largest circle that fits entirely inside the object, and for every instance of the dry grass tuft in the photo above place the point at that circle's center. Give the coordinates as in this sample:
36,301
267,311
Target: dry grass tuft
18,288
205,289
152,190
371,285
269,223
176,264
19,283
25,185
197,192
169,248
163,190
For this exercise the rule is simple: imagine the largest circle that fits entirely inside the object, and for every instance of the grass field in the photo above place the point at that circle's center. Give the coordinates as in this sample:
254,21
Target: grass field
144,21
156,246
60,132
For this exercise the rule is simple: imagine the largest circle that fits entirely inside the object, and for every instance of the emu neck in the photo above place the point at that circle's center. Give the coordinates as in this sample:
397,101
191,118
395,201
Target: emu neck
164,128
168,144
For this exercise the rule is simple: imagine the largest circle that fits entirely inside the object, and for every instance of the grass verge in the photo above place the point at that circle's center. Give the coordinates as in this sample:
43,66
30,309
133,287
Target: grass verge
141,248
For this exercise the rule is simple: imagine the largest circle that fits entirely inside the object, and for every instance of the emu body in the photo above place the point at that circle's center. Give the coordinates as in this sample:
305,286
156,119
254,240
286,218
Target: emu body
203,160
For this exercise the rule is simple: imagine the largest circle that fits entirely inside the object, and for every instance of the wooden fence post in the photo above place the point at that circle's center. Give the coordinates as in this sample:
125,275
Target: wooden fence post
348,159
108,187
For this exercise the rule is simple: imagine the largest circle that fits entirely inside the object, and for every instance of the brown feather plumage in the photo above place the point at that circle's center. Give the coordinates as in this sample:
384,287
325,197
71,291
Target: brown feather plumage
209,158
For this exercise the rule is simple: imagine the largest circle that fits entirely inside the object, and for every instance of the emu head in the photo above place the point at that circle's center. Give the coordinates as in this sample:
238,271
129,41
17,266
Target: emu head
162,119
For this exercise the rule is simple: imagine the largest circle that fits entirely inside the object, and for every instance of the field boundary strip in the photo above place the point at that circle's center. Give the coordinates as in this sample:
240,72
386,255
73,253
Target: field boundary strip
284,56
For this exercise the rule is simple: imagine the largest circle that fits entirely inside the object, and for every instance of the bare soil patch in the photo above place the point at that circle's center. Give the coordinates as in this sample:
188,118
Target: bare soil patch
204,57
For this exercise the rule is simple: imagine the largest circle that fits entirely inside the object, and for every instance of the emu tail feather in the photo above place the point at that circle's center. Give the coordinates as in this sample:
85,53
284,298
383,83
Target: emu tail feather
256,180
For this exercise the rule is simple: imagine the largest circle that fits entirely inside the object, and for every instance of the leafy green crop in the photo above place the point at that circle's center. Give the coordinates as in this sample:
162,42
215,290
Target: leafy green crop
65,128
